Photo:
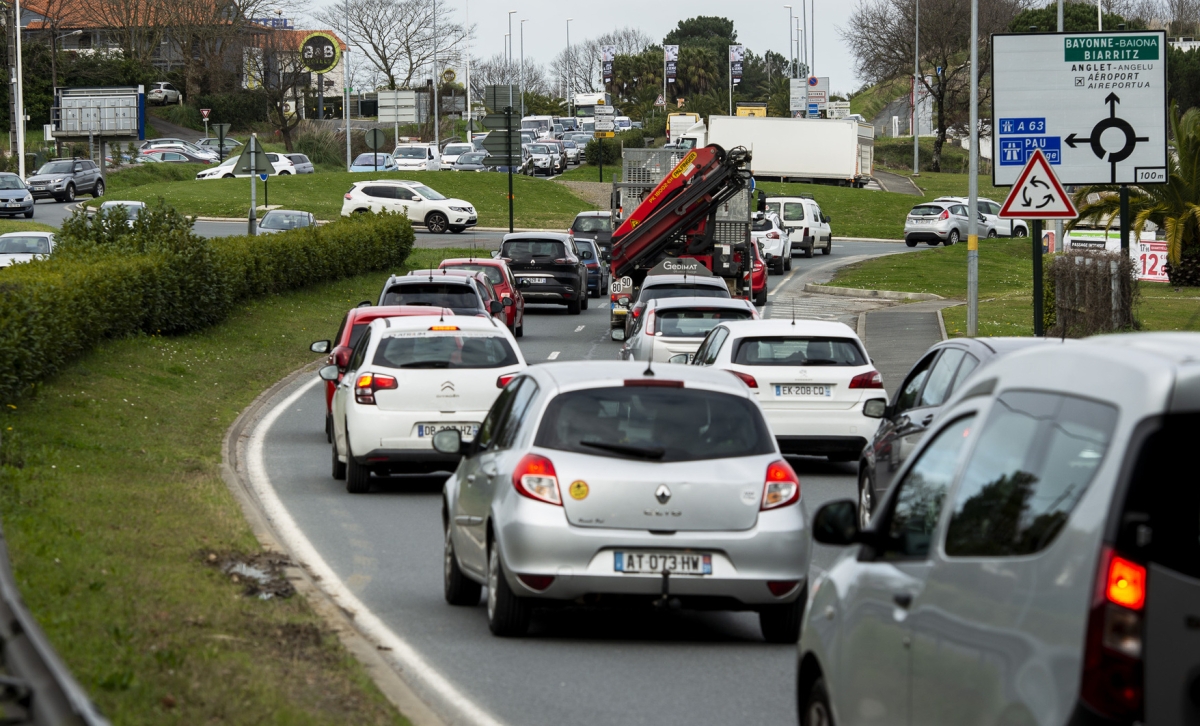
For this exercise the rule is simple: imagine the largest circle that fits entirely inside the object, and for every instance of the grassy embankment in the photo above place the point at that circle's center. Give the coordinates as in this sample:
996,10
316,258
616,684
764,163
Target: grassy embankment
112,499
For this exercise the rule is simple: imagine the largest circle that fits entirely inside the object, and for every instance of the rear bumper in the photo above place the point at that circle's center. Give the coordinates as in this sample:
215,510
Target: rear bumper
926,235
384,461
821,445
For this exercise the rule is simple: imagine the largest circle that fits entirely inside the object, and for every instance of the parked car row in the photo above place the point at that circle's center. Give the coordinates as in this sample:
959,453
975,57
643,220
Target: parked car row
945,220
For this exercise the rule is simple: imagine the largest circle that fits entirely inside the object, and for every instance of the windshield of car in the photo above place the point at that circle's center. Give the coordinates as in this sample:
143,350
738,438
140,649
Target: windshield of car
131,210
11,182
371,160
494,275
283,220
411,152
795,350
444,349
656,424
56,167
24,246
425,192
592,224
529,248
472,158
694,322
457,149
437,294
926,210
567,143
539,149
681,289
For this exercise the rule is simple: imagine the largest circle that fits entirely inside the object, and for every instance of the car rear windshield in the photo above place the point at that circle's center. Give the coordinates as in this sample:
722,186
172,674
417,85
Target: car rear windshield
371,160
681,289
762,225
592,224
794,350
694,322
24,246
284,220
926,210
429,349
494,275
436,294
525,249
655,424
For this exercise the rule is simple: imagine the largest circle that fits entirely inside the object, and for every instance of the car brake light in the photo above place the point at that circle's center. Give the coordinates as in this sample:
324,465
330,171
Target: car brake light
537,582
348,195
535,478
945,214
650,323
772,235
561,261
782,486
503,380
368,383
444,327
746,378
870,379
779,588
1113,678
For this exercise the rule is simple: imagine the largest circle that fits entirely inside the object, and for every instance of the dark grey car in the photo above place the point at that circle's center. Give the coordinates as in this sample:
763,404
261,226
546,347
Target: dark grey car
62,179
595,227
938,374
14,197
302,163
470,161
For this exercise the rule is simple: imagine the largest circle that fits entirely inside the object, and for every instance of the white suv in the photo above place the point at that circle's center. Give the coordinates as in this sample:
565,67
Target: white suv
808,228
422,204
451,369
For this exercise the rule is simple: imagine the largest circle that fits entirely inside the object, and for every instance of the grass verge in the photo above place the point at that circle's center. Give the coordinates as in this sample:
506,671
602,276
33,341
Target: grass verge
110,494
23,225
538,203
1005,288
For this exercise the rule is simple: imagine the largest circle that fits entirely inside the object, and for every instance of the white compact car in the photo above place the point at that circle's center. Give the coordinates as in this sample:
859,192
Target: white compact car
17,247
417,157
808,228
409,378
451,152
280,166
774,241
811,377
671,329
422,204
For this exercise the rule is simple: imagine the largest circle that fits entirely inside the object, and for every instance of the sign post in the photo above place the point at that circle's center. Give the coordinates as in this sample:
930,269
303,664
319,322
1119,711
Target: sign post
222,130
252,162
499,141
1037,195
204,112
266,193
375,139
605,129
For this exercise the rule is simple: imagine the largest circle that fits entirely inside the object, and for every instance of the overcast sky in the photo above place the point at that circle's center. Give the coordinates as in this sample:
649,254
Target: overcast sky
761,25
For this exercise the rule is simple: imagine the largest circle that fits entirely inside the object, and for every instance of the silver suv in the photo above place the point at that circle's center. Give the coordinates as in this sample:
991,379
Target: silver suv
1037,560
934,222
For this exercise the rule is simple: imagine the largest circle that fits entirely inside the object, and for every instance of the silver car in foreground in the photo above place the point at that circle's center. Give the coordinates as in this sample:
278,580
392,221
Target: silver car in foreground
1037,560
614,483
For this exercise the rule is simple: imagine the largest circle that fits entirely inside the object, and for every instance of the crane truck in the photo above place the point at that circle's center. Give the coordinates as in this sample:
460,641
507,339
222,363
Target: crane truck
698,211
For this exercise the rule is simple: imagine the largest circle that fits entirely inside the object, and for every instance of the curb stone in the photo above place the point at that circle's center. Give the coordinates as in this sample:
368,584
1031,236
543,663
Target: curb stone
881,294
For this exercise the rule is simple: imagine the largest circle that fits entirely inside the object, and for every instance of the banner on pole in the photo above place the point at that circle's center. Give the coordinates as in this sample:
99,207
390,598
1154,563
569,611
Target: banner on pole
736,55
607,54
671,61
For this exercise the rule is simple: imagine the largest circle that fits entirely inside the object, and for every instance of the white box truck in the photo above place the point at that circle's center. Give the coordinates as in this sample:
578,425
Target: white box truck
823,151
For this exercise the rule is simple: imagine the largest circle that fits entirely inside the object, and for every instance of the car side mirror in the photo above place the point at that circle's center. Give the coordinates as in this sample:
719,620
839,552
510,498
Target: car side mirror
495,307
617,334
836,524
679,358
365,304
495,253
448,441
328,373
828,219
508,302
875,408
321,346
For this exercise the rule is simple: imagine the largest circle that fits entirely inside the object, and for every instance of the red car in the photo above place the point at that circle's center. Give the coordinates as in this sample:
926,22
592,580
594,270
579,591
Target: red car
353,325
505,284
758,277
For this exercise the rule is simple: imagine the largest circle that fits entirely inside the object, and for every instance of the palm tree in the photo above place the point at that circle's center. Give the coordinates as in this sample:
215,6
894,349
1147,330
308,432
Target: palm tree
697,69
1174,206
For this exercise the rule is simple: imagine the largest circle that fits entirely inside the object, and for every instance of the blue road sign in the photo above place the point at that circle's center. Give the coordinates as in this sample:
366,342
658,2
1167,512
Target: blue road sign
262,176
1015,151
813,110
1022,126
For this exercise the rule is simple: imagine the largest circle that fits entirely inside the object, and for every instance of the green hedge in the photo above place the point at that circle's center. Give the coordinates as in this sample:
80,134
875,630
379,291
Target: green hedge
632,139
107,280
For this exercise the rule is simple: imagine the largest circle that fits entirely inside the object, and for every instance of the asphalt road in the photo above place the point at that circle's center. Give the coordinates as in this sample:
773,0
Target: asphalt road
577,666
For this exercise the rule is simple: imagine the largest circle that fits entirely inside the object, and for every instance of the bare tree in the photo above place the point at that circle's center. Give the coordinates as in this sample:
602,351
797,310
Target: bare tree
578,70
138,25
204,33
400,38
272,63
881,35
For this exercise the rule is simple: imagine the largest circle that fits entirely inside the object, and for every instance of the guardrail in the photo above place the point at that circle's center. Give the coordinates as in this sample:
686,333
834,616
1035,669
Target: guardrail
35,686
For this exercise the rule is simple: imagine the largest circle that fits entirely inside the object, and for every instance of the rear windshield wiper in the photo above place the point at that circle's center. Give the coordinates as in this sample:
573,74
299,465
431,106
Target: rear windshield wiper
427,364
642,452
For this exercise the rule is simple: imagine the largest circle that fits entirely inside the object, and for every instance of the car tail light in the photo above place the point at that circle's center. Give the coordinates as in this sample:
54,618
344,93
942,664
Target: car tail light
806,231
535,478
650,323
368,383
772,235
502,381
782,486
746,378
779,588
870,379
945,214
1113,679
348,195
537,582
561,261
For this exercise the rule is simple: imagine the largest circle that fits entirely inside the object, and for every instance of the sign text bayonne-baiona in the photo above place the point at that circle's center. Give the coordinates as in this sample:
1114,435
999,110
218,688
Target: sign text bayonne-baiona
1112,48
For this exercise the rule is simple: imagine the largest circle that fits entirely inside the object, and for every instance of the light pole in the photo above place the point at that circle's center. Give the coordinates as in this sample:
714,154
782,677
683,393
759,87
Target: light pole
20,98
508,37
468,71
802,42
437,141
791,57
346,89
54,58
973,185
570,74
521,77
812,28
916,85
799,40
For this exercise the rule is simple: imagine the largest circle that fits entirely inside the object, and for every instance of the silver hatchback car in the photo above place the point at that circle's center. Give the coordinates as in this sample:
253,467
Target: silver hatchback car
615,483
1037,560
934,222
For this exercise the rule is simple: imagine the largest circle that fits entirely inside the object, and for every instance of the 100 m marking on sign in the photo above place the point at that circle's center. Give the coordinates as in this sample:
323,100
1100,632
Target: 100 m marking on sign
1111,47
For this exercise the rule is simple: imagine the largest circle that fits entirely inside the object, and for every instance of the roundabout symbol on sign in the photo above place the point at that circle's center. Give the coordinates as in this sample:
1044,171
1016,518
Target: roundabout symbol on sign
1112,122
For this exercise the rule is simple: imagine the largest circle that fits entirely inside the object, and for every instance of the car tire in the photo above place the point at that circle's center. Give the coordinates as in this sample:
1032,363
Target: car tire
69,196
760,299
29,214
808,251
815,710
787,261
99,190
991,234
458,229
285,173
583,302
456,587
827,249
507,614
777,266
328,428
1020,232
910,242
866,499
436,222
933,242
227,176
339,467
781,623
358,477
952,238
520,330
573,307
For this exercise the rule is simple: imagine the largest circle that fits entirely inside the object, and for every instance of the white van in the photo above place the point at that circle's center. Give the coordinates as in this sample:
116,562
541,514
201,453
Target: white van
417,157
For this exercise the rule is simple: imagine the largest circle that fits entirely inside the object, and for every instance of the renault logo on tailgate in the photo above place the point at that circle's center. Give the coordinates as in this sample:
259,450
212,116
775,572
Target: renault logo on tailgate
662,494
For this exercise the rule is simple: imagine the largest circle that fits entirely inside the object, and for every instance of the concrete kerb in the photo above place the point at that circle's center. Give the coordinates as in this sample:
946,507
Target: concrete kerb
233,471
880,294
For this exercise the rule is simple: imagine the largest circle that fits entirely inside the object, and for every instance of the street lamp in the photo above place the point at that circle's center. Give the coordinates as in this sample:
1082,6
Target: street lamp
791,58
916,127
509,36
521,76
570,74
54,59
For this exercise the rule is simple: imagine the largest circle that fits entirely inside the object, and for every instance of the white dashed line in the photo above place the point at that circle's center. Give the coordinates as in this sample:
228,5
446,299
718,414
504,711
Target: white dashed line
553,356
581,327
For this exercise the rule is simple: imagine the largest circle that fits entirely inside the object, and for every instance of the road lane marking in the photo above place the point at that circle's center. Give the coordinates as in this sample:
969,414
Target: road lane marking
553,356
410,664
581,327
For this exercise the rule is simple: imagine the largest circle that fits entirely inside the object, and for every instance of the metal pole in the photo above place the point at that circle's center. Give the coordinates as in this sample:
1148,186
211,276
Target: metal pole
802,41
437,140
252,226
729,65
321,96
1125,219
1037,278
791,56
509,36
812,28
570,74
916,85
509,129
1058,223
973,184
1099,17
521,76
346,89
20,98
470,119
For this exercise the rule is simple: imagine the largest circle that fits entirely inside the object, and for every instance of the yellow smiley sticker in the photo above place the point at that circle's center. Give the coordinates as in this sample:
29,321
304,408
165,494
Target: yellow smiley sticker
579,489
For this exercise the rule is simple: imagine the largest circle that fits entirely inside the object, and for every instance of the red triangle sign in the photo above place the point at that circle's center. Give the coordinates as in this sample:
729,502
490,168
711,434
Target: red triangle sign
1038,193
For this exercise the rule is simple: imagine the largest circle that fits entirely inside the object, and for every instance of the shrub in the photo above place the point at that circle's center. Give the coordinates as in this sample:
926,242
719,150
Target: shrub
107,280
632,139
185,115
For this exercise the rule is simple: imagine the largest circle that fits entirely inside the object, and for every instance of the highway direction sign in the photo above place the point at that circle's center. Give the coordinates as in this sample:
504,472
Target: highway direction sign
1038,193
1094,104
496,98
602,110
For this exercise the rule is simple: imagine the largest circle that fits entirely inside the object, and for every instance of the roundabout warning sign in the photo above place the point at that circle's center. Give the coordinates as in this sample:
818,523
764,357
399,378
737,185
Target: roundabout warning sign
1094,105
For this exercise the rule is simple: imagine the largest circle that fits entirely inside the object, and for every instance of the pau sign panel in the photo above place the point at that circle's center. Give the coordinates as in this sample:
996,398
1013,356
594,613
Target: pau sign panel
1094,104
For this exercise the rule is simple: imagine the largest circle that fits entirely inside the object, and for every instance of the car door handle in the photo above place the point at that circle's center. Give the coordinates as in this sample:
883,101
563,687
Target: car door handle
903,599
925,421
